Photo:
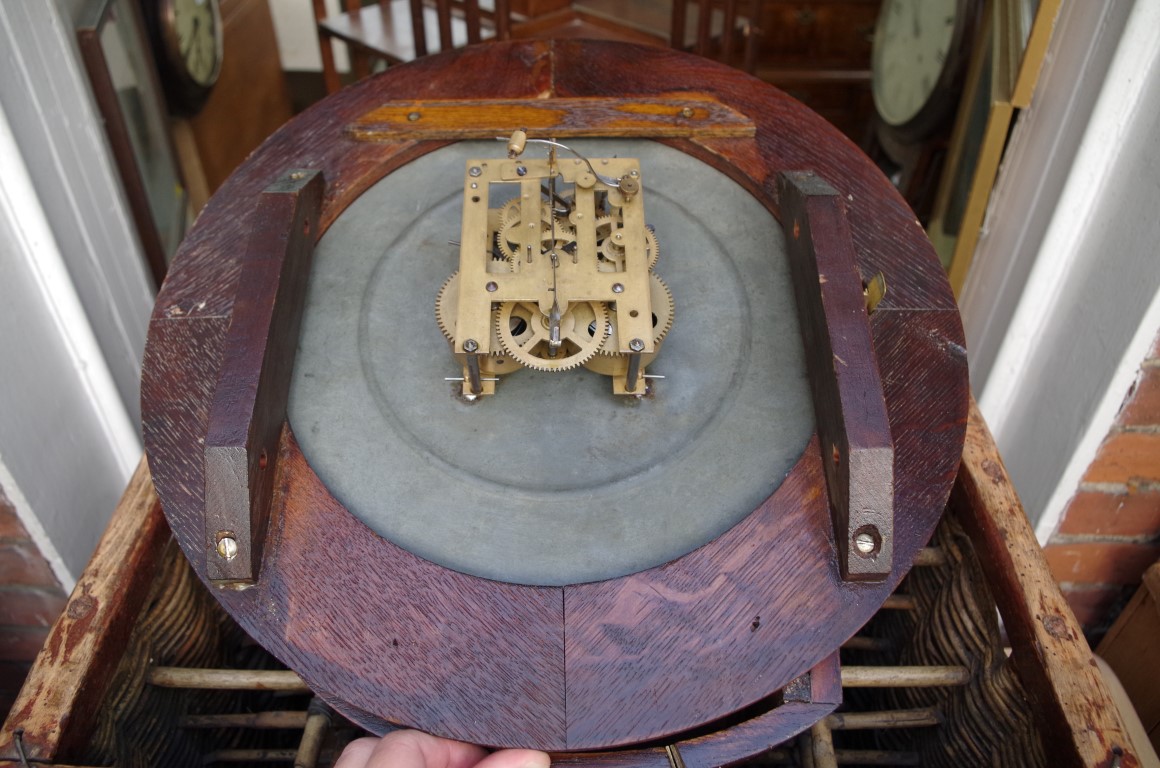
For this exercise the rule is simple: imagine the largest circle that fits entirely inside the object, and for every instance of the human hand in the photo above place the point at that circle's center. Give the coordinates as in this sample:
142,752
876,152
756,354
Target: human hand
414,749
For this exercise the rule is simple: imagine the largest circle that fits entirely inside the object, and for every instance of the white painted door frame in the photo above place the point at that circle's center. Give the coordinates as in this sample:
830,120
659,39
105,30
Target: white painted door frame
1063,298
74,295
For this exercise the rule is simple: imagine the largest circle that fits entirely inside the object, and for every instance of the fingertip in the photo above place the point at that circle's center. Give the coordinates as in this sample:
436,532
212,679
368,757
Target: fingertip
357,753
516,758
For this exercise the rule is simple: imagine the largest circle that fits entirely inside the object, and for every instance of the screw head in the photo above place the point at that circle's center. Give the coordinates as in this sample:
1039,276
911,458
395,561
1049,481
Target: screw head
687,112
521,170
471,345
636,345
492,287
227,547
475,170
618,288
412,116
864,542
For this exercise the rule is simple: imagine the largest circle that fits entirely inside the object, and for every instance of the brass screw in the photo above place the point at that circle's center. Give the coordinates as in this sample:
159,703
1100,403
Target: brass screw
413,116
227,547
687,112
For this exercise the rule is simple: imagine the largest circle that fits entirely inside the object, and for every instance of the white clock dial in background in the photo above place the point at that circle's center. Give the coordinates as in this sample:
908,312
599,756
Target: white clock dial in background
911,44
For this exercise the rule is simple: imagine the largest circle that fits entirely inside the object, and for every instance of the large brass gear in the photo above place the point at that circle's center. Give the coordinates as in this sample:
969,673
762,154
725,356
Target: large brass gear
523,331
661,299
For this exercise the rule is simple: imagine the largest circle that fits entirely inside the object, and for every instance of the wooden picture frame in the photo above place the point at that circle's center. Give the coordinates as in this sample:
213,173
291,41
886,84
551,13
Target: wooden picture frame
128,95
1003,72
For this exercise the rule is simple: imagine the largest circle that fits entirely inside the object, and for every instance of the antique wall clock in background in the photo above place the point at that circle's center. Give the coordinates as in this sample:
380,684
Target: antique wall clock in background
186,36
662,569
920,57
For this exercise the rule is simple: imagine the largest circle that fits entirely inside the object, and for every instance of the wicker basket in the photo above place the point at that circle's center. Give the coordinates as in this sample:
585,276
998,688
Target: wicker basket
975,660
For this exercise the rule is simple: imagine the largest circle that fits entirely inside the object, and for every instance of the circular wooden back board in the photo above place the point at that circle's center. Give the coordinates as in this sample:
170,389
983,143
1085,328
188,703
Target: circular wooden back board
388,637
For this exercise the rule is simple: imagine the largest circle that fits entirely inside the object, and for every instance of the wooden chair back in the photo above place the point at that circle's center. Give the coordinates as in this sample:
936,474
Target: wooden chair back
372,33
725,30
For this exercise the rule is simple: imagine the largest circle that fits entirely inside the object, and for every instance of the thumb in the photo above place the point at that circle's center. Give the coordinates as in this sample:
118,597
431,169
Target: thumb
515,758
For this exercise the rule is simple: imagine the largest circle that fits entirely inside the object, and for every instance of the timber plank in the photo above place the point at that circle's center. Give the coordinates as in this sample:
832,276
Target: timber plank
1078,723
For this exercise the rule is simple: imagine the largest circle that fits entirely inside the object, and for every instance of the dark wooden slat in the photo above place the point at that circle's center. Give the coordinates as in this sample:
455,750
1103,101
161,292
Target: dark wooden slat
849,409
249,405
704,27
418,28
443,10
677,25
503,20
728,28
474,21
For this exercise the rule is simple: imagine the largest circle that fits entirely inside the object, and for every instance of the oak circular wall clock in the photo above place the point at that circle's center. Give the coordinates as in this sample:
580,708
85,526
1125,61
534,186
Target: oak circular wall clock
408,411
921,51
187,40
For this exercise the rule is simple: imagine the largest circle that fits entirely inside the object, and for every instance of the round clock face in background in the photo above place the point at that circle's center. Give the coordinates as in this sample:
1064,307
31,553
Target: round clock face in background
912,43
197,26
187,40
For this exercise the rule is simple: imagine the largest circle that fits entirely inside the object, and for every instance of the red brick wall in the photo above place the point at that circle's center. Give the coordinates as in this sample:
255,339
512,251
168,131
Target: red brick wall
1110,531
30,600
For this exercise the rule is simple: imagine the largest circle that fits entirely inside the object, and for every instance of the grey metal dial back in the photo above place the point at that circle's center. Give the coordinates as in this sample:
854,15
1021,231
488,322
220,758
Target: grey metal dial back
553,480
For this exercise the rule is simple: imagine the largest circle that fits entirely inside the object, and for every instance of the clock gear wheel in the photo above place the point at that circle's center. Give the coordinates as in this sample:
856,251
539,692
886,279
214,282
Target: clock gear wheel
446,303
508,236
524,333
610,247
661,299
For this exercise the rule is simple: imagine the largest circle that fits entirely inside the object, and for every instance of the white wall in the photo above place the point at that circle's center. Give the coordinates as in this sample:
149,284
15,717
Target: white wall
74,295
297,38
1063,298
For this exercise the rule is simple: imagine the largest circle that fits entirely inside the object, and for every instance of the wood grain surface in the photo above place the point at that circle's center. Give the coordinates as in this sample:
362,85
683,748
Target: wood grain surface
1069,695
682,114
387,637
249,402
56,708
849,410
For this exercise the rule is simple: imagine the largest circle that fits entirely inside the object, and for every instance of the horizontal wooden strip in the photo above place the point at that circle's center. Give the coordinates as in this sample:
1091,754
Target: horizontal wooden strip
676,116
227,679
904,677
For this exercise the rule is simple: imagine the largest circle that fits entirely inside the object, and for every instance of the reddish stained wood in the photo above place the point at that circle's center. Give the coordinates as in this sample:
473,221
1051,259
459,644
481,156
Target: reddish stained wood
887,237
853,429
631,676
687,114
249,401
56,705
407,645
1069,695
813,696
